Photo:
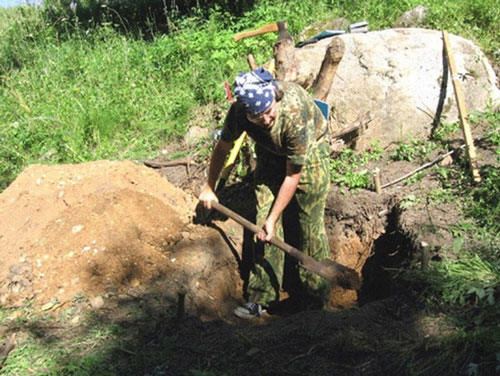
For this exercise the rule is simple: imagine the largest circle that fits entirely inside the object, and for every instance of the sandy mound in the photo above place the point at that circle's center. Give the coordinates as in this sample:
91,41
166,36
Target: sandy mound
86,229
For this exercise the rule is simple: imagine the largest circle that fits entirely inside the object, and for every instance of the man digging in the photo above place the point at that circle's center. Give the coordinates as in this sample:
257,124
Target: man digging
292,151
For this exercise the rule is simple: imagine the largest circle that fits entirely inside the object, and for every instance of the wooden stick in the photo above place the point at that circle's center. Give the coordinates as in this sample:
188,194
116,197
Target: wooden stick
424,166
376,180
333,55
251,62
469,141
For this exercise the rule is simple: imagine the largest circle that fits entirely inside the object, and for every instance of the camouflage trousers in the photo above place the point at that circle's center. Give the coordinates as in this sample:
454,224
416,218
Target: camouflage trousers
305,224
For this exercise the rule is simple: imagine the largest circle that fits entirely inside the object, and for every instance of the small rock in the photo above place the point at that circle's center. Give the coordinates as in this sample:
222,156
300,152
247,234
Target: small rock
86,249
47,306
195,134
15,315
77,229
253,351
447,161
75,320
185,234
97,302
412,18
61,194
74,281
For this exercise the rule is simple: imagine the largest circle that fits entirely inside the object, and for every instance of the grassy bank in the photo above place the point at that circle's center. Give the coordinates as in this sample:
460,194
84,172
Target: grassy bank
98,93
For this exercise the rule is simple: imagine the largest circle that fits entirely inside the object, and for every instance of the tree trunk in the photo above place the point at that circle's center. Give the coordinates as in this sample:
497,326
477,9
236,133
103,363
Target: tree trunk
333,55
284,55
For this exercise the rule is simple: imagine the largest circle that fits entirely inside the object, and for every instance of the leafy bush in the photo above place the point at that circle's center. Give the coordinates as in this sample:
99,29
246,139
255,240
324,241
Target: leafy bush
146,16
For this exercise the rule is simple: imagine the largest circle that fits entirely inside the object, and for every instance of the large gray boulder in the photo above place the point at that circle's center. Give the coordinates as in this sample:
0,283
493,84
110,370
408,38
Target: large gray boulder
395,78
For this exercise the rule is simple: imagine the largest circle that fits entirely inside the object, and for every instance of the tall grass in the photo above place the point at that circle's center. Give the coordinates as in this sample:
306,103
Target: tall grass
100,93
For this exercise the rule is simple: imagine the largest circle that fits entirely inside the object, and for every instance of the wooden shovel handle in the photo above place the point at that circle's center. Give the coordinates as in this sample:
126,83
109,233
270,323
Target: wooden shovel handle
327,269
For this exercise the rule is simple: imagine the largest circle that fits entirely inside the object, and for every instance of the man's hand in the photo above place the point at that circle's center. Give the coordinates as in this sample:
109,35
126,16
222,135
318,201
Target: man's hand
285,194
268,230
207,195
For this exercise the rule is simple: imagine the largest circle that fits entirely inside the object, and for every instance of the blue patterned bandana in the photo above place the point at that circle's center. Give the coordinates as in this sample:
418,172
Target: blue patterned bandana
255,90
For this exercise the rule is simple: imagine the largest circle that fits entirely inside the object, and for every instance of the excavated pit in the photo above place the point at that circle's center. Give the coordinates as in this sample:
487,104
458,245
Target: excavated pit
391,251
364,233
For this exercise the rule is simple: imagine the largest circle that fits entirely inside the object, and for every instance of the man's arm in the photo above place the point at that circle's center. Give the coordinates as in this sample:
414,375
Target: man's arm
285,194
207,194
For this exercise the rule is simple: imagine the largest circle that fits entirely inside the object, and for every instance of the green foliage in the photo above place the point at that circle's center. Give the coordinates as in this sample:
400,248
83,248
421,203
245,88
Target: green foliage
408,201
490,120
147,17
346,168
413,151
465,281
485,203
445,131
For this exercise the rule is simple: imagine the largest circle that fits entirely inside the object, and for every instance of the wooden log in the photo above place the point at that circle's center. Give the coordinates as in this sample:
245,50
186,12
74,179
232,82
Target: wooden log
376,181
333,55
469,141
284,55
177,162
344,132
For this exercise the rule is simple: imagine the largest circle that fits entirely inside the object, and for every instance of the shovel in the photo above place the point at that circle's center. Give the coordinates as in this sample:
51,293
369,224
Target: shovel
328,269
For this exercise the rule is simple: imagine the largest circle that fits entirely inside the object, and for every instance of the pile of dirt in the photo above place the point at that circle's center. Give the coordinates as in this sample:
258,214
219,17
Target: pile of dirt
94,229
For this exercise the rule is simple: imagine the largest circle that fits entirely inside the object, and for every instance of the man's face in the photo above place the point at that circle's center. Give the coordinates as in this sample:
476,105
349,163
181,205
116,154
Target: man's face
266,118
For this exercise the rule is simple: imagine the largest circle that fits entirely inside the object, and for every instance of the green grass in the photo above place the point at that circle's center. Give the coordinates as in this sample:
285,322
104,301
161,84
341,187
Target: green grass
98,93
347,168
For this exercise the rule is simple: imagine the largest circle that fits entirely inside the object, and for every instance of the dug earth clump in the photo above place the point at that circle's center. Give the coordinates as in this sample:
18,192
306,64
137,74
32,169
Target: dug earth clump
108,229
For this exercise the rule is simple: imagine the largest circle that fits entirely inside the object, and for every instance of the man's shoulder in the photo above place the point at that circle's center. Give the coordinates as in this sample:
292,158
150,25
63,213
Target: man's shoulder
291,87
295,98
